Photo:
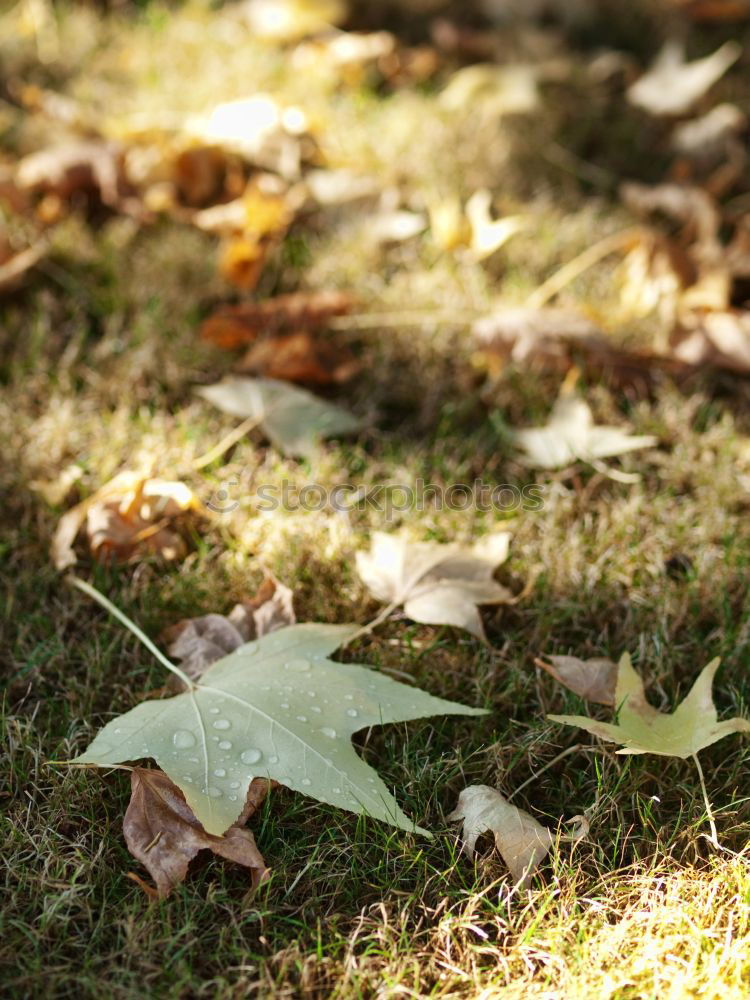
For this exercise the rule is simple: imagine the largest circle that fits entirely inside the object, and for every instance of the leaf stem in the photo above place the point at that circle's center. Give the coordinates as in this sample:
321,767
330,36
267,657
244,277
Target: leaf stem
379,617
709,810
132,627
226,442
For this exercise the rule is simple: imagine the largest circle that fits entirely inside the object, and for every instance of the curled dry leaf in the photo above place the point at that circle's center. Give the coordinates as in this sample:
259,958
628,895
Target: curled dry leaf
672,86
436,584
277,708
592,679
640,728
558,339
294,420
523,843
236,326
571,435
161,831
130,516
198,642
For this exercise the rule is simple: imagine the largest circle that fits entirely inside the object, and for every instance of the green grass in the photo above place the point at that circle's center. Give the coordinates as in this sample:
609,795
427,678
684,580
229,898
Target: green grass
98,357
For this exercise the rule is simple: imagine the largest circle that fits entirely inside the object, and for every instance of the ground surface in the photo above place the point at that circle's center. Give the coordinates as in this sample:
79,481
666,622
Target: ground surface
99,357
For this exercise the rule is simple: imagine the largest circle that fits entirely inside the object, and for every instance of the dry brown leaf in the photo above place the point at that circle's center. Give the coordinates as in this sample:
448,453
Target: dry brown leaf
199,642
235,326
300,357
714,10
592,679
198,175
130,516
162,832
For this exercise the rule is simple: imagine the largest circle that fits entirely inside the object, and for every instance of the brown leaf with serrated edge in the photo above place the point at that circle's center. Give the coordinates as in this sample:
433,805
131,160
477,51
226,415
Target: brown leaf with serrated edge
162,832
300,357
129,516
199,642
593,679
236,326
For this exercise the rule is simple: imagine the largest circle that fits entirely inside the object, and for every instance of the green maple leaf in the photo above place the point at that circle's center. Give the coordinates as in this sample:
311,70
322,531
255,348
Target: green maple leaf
640,728
294,419
274,708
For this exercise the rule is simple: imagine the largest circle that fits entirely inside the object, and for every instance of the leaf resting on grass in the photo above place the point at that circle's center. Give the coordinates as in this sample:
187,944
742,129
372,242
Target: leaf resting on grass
276,708
570,435
162,832
437,584
293,419
522,842
641,729
593,679
199,642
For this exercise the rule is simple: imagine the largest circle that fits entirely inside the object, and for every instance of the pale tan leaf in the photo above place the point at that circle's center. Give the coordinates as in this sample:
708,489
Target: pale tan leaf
488,234
291,20
496,90
437,584
672,85
720,338
523,843
571,435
